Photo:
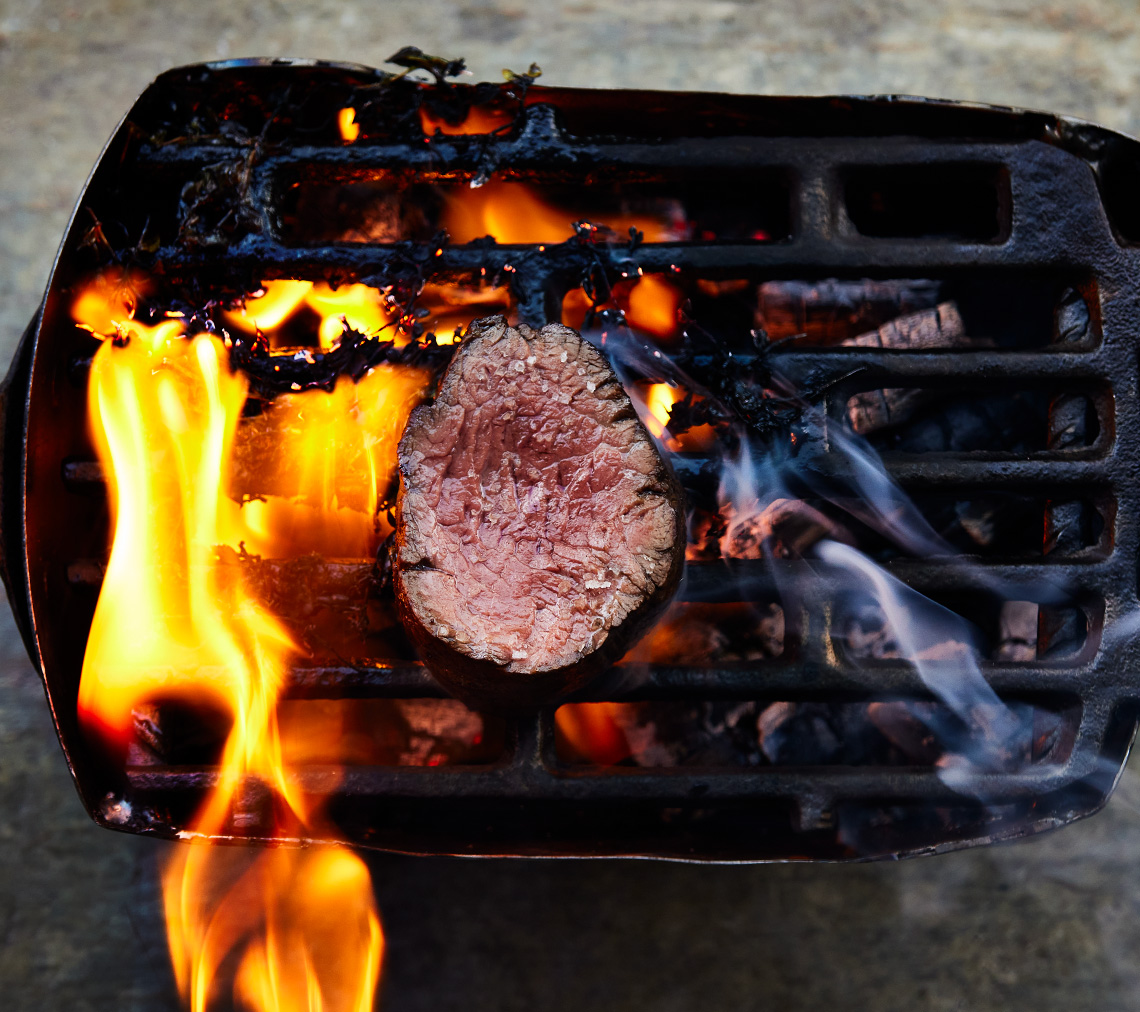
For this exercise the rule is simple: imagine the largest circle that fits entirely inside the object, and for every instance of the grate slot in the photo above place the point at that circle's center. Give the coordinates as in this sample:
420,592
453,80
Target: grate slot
666,206
882,733
948,201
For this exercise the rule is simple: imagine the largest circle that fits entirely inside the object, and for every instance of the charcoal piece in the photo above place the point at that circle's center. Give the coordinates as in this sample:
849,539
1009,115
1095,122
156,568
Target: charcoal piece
765,638
999,524
865,634
784,529
1061,632
690,640
829,311
996,524
1017,631
872,410
977,519
670,734
701,634
1070,424
650,745
906,724
436,729
1071,322
372,211
1053,735
1005,422
940,327
705,529
1067,528
538,531
176,732
296,589
818,734
386,732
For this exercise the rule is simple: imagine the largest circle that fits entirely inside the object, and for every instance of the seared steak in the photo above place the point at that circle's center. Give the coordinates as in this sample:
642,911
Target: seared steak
539,529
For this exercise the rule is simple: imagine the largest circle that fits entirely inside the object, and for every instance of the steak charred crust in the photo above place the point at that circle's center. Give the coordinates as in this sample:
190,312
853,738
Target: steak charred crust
539,531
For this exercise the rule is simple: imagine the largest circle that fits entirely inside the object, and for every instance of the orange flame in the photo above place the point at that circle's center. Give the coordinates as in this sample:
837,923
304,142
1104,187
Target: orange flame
172,620
650,304
513,213
303,922
360,307
658,400
480,119
654,407
346,123
110,300
592,732
452,308
653,305
357,306
333,459
267,311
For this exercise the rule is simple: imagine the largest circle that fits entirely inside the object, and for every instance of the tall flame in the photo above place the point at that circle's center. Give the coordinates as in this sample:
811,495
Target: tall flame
333,460
172,620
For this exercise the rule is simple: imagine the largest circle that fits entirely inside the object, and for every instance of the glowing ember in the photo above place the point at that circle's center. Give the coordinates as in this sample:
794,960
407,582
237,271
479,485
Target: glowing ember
173,622
346,123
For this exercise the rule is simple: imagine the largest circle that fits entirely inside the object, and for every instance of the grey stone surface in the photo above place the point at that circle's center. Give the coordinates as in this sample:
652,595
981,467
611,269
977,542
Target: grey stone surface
1049,924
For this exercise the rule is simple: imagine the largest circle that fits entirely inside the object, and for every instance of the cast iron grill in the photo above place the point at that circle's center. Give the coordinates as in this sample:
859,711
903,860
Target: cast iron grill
851,188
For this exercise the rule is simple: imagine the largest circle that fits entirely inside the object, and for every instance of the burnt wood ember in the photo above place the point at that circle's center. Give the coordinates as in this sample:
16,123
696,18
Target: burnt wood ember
832,311
940,327
873,410
954,422
1017,636
806,733
784,529
383,732
701,634
226,176
538,530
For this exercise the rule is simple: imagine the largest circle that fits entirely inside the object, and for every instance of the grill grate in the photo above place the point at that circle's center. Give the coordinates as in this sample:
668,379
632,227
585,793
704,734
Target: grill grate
869,188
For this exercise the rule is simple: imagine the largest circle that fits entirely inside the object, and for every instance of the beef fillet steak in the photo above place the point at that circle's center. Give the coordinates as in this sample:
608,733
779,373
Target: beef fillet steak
539,529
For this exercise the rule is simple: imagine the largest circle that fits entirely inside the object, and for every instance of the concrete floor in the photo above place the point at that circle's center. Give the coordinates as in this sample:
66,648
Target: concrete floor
1049,924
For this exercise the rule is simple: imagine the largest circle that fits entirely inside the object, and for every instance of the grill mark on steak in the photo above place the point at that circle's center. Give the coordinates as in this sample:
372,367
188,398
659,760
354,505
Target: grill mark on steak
539,528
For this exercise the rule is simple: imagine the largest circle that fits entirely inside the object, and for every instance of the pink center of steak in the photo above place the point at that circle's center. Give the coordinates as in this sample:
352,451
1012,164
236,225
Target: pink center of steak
535,510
